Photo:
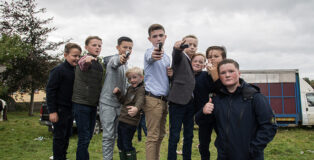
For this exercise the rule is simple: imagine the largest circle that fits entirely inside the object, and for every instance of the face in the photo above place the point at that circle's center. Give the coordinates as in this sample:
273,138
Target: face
198,63
229,75
157,36
192,46
73,56
135,79
214,57
94,47
125,46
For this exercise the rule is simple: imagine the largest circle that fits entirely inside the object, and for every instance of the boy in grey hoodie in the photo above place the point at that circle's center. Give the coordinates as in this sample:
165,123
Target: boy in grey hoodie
108,102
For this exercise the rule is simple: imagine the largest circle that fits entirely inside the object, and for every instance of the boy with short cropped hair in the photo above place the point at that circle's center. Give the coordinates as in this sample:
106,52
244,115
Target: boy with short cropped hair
181,107
244,119
156,81
86,91
129,118
108,102
59,99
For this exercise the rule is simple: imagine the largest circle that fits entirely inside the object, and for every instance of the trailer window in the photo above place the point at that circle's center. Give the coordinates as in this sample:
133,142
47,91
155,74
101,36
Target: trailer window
310,99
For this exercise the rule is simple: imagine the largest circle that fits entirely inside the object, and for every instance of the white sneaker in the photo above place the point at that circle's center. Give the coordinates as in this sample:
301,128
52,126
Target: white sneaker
51,158
179,152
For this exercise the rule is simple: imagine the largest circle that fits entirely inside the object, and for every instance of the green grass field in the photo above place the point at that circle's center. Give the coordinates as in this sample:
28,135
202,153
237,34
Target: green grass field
17,141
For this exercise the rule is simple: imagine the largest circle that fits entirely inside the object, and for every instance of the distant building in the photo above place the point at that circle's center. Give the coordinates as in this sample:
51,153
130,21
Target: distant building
21,97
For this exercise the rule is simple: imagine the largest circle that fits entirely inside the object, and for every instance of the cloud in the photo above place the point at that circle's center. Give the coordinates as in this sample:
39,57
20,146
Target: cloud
259,34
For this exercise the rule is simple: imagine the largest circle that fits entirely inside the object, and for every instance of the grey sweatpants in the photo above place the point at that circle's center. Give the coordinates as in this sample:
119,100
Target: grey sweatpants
109,122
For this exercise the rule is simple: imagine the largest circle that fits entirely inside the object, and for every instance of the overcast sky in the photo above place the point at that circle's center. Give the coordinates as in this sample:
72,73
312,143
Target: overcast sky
258,34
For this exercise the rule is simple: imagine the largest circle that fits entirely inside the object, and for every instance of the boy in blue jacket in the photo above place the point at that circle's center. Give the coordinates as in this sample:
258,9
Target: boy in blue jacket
244,119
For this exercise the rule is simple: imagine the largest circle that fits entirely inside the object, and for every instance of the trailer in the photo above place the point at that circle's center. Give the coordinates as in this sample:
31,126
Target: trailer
291,98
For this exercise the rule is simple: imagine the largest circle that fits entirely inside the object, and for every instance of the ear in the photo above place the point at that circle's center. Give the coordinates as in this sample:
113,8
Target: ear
165,36
149,38
117,47
65,54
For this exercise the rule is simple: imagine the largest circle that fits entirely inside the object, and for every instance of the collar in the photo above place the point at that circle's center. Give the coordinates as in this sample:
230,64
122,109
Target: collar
68,64
139,85
187,56
92,55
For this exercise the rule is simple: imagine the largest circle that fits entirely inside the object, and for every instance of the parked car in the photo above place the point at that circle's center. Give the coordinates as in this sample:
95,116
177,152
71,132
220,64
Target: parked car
44,119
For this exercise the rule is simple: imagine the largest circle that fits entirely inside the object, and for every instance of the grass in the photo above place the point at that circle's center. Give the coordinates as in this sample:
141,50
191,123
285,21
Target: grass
17,141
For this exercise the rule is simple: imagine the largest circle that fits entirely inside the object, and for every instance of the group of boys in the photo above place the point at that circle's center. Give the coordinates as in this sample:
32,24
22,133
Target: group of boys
180,87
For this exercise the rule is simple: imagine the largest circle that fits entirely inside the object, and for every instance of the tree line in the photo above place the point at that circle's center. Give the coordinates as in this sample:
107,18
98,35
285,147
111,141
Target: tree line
24,48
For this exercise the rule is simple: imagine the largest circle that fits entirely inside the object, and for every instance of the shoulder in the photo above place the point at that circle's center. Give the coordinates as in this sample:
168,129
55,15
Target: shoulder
149,51
114,57
206,75
58,68
141,88
249,90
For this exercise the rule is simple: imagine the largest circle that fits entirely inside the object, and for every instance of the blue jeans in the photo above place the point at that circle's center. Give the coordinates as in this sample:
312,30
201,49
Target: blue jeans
178,115
62,132
140,126
125,136
85,117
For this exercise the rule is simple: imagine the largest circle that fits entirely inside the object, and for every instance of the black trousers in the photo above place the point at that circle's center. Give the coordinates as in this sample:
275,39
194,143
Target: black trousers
204,135
125,136
62,133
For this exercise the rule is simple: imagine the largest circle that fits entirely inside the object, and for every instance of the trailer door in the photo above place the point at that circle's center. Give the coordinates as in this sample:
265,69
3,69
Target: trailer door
310,107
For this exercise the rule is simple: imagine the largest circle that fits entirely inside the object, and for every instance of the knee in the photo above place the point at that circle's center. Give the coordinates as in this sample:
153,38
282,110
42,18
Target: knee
152,138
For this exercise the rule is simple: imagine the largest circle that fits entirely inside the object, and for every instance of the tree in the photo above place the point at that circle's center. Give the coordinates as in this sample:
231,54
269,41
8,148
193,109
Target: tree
12,50
310,82
21,17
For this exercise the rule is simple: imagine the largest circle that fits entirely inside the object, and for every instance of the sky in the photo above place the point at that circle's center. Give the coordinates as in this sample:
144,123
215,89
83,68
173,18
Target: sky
258,34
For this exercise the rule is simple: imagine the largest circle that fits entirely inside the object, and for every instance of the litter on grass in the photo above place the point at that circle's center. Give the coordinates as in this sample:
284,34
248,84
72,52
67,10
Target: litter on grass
39,138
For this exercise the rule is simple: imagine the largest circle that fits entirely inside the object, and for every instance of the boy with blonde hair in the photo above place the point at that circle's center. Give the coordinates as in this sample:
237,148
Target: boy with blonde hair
129,118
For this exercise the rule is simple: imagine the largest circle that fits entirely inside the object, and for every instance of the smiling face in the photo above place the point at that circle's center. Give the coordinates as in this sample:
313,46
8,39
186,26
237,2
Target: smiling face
134,79
157,36
198,63
73,56
193,43
125,46
229,76
94,47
